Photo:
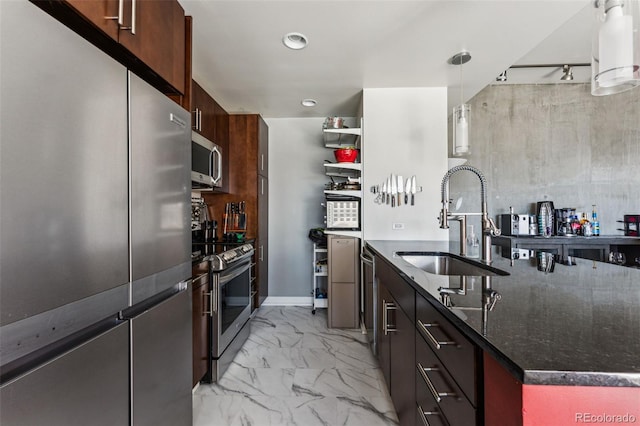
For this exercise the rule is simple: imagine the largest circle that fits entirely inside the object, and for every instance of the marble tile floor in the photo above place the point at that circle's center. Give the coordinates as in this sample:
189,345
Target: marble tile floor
294,371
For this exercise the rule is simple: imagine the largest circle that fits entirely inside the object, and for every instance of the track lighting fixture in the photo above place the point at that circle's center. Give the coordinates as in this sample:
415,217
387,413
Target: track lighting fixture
567,73
567,70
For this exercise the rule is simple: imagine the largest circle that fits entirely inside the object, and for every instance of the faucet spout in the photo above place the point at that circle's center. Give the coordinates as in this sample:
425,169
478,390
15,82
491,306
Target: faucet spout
489,227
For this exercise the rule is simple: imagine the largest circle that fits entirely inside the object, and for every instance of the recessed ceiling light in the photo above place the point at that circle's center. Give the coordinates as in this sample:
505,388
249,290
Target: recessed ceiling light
309,102
295,41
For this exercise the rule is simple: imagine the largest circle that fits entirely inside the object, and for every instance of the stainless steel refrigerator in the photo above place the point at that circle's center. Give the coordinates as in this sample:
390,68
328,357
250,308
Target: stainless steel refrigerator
95,306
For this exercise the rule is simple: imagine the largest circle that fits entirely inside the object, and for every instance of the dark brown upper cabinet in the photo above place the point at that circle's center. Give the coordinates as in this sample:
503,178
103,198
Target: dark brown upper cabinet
152,32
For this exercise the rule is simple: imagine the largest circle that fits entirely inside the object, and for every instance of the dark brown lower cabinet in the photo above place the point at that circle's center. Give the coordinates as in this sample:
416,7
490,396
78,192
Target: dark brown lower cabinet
200,322
403,374
433,372
384,337
396,344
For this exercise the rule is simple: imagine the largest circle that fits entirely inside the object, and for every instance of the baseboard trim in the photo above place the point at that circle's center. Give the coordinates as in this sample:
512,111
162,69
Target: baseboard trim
287,301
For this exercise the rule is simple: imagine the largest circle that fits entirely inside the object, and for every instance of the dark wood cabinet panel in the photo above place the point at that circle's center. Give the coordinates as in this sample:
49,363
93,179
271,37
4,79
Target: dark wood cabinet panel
263,237
262,270
384,338
203,112
221,138
246,132
103,14
396,342
159,36
402,292
263,207
157,51
263,152
403,375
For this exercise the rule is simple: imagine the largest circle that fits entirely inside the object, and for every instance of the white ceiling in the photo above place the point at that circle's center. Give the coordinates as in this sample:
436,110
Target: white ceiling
239,58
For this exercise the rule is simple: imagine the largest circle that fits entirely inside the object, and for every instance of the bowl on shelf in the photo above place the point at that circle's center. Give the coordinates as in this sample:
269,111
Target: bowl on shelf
333,123
346,155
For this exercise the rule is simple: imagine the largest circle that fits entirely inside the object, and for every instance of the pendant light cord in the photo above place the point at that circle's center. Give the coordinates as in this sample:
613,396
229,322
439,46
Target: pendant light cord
461,86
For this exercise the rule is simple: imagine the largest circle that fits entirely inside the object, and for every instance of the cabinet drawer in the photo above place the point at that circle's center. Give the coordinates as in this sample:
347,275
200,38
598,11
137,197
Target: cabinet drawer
439,385
454,350
343,300
428,412
342,259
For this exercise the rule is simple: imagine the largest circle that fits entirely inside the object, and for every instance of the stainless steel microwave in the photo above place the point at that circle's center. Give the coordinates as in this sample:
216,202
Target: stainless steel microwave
206,163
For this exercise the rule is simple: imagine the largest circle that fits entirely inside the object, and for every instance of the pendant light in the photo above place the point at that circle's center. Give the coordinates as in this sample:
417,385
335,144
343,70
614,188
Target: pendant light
615,55
461,112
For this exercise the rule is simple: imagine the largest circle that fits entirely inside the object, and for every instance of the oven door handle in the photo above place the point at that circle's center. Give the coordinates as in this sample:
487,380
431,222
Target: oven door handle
226,277
213,300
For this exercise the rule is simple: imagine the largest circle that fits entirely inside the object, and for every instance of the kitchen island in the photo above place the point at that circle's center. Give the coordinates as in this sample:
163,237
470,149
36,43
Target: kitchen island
559,342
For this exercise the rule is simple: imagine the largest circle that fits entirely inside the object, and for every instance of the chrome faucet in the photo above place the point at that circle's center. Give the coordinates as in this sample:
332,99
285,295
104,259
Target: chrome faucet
489,227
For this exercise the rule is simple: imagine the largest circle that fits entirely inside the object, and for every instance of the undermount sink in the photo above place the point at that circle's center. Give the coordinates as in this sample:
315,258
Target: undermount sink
442,263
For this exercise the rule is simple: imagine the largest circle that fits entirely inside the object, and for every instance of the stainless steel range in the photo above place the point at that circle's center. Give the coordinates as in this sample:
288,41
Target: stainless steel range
230,306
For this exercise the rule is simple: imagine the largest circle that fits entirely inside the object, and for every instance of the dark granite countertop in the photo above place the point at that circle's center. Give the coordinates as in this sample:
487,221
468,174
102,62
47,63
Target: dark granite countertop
578,324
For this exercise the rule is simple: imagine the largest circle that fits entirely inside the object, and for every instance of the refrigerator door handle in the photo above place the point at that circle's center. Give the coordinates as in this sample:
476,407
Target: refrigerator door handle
31,361
177,120
142,307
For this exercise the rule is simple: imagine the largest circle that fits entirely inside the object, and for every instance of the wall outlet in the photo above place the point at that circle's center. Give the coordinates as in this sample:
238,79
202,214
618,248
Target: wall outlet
397,226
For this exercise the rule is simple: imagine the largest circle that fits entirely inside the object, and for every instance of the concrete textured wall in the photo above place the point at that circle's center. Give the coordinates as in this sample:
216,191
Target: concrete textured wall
554,142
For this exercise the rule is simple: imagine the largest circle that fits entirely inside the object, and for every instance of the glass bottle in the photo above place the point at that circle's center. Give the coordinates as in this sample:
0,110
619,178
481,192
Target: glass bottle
595,224
473,243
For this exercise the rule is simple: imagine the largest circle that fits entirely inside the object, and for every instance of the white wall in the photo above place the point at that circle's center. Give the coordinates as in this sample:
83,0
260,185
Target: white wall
405,132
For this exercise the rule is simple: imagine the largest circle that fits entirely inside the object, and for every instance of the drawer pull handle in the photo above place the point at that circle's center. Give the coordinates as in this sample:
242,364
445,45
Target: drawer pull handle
423,415
208,295
386,307
438,344
436,395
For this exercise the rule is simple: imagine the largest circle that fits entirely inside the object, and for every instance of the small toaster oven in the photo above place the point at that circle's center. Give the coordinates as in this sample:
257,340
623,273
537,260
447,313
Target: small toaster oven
343,213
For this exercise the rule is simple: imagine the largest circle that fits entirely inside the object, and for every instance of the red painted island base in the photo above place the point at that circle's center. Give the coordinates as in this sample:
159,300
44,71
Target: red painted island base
510,403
